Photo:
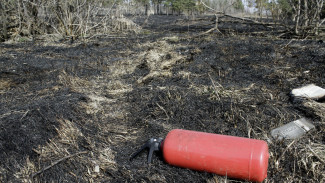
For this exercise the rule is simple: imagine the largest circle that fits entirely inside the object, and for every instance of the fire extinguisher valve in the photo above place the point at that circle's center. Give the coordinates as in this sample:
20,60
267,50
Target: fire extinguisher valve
153,144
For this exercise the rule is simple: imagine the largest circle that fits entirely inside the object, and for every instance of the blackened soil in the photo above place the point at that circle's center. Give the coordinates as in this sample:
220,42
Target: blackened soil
226,83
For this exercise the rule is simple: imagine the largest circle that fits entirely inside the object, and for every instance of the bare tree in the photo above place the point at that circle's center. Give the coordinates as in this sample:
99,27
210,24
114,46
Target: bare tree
67,18
3,21
307,16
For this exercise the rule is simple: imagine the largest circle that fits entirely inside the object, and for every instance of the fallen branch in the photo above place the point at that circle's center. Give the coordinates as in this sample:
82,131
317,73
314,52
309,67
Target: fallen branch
220,14
57,162
212,29
249,20
207,32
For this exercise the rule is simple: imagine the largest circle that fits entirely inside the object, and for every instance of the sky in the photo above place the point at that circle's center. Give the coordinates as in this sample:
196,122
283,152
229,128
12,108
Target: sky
249,9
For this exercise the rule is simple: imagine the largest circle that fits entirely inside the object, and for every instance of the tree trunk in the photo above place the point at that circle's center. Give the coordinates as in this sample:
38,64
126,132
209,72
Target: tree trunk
3,24
158,9
306,13
320,4
298,17
146,9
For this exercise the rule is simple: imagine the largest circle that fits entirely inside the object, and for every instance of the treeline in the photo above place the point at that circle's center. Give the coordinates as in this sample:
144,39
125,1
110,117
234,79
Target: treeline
189,7
83,18
306,15
67,18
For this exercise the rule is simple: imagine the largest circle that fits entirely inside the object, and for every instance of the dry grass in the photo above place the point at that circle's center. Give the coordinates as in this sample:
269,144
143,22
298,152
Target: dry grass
5,84
159,60
55,149
297,157
218,179
65,149
316,107
75,83
318,150
117,87
124,24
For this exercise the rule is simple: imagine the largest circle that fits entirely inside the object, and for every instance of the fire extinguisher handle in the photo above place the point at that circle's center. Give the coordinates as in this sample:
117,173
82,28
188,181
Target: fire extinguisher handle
153,144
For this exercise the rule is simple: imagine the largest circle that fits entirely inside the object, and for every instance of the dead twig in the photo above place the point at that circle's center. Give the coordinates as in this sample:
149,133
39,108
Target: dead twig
10,113
207,32
277,161
215,87
288,44
57,162
316,155
163,110
25,114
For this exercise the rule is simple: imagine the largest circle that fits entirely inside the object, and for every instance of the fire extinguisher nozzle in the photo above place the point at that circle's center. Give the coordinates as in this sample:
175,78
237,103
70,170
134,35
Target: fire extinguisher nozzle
153,144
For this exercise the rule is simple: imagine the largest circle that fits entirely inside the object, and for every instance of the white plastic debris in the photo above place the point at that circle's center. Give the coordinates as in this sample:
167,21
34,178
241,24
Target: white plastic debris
292,130
96,169
310,91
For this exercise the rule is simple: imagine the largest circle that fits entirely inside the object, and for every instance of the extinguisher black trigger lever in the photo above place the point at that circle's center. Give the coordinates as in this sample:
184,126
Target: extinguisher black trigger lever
153,144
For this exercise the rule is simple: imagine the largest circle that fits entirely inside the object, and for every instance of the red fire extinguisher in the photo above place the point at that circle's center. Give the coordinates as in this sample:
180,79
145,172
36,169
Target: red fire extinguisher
234,157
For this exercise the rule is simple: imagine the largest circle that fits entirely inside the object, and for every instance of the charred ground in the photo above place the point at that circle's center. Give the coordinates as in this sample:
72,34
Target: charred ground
95,102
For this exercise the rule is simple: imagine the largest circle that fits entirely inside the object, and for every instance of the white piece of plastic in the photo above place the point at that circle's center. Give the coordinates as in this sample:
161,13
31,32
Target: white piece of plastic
309,91
292,130
96,169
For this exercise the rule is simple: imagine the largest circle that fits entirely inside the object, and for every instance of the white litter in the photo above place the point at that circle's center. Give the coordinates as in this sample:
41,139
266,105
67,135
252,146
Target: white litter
96,169
310,91
292,130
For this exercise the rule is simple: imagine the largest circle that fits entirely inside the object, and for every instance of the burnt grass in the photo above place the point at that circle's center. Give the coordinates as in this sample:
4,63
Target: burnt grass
106,96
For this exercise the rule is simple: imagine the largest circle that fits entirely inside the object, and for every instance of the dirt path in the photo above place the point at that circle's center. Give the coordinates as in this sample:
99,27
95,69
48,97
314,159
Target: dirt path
107,96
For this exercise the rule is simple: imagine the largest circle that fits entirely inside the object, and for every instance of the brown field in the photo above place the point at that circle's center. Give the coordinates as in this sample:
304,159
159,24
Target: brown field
67,108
